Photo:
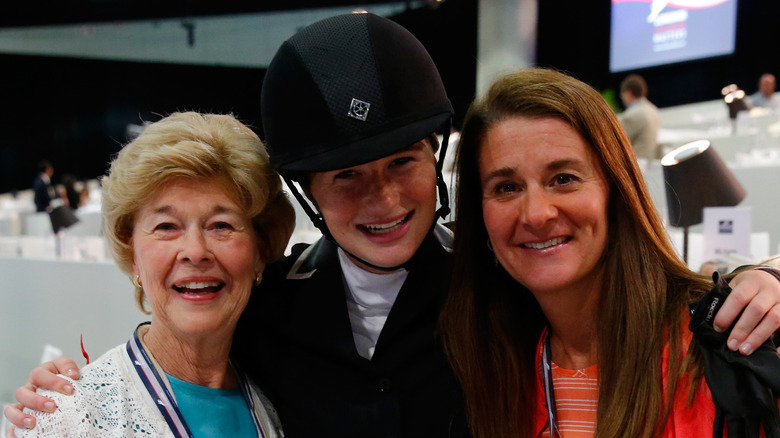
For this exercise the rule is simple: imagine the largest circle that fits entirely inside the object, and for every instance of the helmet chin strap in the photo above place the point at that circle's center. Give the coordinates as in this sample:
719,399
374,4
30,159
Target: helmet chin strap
444,197
442,212
316,219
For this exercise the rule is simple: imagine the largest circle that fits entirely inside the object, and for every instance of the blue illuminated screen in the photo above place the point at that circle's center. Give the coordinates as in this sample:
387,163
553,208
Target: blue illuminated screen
646,33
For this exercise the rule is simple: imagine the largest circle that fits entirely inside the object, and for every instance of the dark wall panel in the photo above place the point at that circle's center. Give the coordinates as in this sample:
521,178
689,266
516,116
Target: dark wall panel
75,112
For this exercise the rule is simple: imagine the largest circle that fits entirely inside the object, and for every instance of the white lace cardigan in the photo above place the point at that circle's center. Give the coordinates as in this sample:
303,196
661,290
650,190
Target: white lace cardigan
110,400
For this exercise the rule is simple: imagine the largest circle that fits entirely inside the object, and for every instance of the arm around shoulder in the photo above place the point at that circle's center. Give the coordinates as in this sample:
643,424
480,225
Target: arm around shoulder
64,421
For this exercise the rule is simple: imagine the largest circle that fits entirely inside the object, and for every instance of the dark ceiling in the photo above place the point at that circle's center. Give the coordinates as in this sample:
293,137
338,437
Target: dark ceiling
37,13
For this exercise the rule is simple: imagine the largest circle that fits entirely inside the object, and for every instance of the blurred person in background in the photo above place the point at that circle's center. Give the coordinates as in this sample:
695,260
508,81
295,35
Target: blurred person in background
765,96
43,190
640,119
75,197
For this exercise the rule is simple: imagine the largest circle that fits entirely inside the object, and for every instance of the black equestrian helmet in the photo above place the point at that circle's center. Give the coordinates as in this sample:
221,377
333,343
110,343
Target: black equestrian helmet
348,90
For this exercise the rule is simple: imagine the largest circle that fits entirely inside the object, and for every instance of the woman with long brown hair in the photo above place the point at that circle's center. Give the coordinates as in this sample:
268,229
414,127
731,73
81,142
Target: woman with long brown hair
564,273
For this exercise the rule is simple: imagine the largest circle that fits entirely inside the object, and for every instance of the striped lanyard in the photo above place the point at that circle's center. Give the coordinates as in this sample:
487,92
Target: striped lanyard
155,385
549,395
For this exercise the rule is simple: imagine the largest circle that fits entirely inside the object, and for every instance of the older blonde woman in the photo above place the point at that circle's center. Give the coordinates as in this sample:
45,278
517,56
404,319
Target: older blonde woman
192,213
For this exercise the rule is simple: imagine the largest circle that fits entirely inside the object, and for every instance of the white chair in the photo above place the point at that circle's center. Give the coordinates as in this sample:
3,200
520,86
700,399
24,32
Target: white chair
83,248
10,246
38,247
89,223
37,224
5,225
96,249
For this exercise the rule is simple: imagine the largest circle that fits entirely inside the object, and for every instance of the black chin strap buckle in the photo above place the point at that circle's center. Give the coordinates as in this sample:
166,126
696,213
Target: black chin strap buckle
444,197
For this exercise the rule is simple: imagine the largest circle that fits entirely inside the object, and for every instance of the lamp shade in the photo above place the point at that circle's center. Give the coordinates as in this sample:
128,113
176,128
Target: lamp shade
695,178
736,105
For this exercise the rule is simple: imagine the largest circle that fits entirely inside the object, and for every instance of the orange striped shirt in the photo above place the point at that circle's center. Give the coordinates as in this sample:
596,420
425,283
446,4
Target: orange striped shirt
576,401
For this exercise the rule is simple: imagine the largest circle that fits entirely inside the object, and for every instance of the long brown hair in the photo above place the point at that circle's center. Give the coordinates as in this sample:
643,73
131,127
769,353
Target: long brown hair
491,324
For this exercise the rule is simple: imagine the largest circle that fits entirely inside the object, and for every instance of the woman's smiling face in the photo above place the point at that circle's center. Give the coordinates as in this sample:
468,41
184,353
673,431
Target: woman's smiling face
544,203
197,257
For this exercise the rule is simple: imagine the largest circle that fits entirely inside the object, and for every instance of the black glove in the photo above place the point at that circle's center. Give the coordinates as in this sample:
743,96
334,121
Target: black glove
744,388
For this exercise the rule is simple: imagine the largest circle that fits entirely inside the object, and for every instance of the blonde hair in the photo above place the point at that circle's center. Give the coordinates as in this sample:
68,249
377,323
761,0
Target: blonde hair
199,146
491,325
773,261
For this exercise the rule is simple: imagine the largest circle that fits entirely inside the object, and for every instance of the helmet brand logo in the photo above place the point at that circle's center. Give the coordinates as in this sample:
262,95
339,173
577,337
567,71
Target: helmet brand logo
358,109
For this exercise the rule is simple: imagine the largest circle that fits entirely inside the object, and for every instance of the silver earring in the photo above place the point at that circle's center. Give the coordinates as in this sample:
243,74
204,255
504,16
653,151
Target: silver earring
258,278
137,281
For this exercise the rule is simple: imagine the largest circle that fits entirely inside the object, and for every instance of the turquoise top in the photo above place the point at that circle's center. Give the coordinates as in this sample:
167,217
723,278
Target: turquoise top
212,412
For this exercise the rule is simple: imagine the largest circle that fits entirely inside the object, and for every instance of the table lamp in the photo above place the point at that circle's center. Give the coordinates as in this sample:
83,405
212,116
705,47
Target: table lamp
695,178
736,101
